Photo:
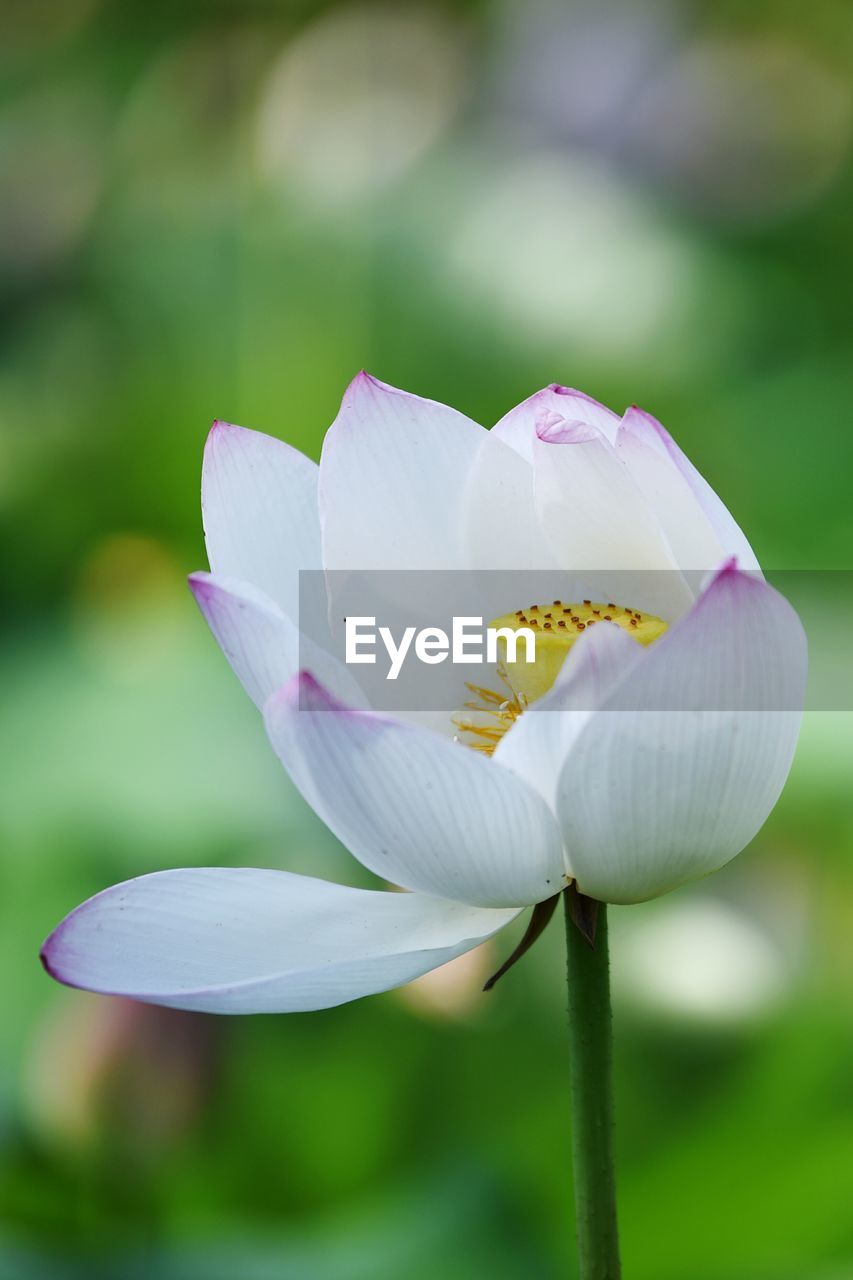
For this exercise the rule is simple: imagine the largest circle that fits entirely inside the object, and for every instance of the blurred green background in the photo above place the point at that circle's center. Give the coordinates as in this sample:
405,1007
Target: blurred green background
226,209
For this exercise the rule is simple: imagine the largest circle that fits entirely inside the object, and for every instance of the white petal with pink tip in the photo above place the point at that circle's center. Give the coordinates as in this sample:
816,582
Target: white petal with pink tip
686,757
392,478
416,808
259,503
246,940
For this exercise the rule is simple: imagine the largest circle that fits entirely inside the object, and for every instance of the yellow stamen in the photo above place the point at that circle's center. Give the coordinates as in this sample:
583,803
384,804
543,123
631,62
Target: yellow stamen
557,629
495,711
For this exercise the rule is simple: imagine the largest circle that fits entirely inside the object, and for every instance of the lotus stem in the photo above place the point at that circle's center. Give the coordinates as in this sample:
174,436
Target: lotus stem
590,1042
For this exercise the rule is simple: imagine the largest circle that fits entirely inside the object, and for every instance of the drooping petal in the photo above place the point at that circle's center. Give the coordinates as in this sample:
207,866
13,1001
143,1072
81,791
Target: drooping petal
261,643
415,808
537,745
698,526
393,475
259,503
684,761
226,940
518,427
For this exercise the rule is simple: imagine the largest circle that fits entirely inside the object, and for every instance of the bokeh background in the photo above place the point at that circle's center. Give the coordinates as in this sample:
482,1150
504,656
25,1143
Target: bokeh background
227,209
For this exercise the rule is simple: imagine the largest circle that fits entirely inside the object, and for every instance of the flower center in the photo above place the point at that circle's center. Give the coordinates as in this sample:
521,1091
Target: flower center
556,627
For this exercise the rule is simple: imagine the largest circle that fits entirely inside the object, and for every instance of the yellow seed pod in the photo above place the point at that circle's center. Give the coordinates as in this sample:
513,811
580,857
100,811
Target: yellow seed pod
556,627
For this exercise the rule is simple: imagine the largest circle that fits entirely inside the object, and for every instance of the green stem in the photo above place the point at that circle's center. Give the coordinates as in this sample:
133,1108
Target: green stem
592,1095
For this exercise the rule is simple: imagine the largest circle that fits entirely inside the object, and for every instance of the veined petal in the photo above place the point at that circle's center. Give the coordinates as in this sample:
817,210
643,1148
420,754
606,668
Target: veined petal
595,516
413,807
502,530
393,475
686,757
229,940
259,503
518,427
258,639
261,643
699,527
537,745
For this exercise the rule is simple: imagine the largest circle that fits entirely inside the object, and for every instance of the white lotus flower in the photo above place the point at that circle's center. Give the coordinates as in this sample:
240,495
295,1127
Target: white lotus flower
653,751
